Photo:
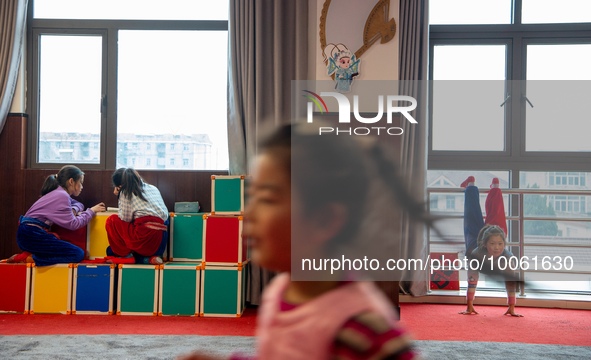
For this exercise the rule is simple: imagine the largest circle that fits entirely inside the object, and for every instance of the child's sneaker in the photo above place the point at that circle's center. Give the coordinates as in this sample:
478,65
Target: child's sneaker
120,260
468,182
494,183
24,257
94,261
156,260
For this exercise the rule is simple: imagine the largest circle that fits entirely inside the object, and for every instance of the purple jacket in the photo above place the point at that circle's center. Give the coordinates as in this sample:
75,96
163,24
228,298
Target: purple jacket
56,207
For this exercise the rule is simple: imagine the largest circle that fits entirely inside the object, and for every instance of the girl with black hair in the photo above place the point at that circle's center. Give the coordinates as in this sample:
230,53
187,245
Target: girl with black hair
304,201
140,226
56,206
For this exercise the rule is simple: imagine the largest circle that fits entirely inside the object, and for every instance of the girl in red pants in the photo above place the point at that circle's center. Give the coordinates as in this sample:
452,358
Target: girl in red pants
139,227
489,244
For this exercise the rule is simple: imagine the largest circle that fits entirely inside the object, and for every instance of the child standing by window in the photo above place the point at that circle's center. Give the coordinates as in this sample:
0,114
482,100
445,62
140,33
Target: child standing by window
491,243
138,229
304,199
55,206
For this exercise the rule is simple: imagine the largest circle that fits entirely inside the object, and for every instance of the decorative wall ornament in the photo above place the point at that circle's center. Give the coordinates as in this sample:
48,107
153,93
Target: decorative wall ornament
340,21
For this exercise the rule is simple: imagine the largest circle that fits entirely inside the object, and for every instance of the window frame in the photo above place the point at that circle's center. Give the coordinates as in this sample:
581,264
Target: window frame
517,37
515,160
109,30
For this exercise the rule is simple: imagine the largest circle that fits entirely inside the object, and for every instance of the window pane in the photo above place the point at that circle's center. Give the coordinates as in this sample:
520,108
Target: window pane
466,114
469,62
550,11
554,180
172,109
555,218
559,62
69,99
442,12
131,9
563,100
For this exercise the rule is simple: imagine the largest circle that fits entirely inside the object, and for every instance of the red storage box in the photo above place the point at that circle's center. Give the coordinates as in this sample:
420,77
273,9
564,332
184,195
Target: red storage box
76,237
223,243
15,290
445,278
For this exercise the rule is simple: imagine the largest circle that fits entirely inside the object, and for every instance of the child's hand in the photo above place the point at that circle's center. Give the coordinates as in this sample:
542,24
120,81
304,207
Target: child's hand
100,207
469,311
511,311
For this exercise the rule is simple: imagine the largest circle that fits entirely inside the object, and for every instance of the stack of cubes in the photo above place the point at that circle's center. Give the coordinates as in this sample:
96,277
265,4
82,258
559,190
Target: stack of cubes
57,289
180,278
224,252
207,256
205,274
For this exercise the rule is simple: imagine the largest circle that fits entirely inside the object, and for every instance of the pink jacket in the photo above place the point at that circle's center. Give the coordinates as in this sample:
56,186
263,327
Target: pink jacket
309,330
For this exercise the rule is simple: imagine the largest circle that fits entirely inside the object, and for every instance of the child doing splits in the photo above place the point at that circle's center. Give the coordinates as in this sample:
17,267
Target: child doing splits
491,247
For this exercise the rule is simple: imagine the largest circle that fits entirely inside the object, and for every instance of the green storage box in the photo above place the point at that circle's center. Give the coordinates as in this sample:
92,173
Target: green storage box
186,237
180,284
227,194
222,290
138,289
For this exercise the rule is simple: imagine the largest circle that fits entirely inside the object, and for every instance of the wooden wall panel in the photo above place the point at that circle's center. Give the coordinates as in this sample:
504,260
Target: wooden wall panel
12,161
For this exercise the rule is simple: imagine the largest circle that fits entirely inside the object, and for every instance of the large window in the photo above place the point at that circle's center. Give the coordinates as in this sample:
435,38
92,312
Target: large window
133,83
510,98
509,85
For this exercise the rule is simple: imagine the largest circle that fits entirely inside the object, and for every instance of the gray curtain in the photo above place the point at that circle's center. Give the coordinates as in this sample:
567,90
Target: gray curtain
268,48
268,42
414,55
13,15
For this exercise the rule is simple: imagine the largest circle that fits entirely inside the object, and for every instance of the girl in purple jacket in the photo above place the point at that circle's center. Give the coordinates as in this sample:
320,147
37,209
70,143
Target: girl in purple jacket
55,206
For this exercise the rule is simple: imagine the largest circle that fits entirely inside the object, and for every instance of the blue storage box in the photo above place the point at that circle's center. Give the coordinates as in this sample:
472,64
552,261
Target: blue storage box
93,291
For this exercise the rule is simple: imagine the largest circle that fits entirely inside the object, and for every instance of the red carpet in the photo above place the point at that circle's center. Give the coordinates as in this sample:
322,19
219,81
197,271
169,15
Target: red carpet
50,324
538,326
423,321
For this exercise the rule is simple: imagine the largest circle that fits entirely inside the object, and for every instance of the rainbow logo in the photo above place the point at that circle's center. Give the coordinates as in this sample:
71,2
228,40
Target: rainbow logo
316,99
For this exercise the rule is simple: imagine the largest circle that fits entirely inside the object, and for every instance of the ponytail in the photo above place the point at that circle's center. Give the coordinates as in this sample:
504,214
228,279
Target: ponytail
49,184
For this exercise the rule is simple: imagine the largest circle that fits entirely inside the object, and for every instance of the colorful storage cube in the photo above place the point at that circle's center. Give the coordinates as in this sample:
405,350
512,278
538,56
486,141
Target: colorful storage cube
186,237
77,237
97,240
94,286
227,194
222,290
180,284
223,241
16,288
51,289
138,289
445,278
